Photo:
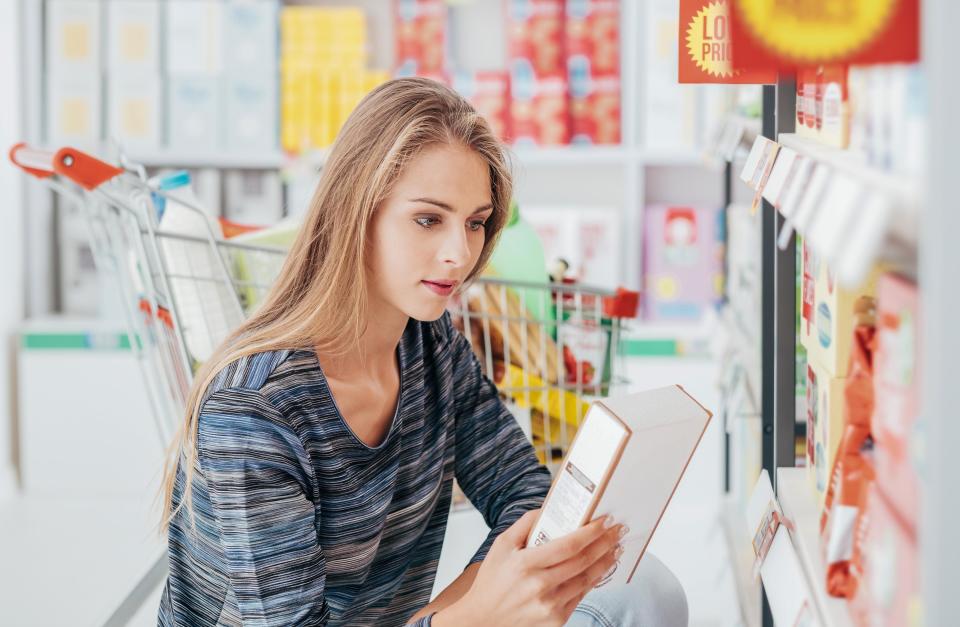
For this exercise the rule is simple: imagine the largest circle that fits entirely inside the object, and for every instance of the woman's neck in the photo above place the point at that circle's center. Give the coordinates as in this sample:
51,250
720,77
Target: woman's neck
374,356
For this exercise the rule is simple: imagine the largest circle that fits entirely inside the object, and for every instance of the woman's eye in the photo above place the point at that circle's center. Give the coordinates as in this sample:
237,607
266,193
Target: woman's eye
427,221
476,225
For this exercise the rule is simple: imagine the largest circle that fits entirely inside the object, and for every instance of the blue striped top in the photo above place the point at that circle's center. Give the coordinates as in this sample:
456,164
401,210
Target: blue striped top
298,522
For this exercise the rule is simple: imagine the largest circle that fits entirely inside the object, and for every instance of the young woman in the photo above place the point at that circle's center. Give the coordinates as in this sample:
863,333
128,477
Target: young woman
311,481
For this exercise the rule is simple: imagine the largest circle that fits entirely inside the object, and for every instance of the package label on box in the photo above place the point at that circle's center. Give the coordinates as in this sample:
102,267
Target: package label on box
536,33
73,36
134,110
421,36
250,34
251,112
134,32
194,111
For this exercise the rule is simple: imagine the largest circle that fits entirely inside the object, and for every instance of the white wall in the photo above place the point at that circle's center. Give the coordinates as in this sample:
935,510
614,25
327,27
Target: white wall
11,235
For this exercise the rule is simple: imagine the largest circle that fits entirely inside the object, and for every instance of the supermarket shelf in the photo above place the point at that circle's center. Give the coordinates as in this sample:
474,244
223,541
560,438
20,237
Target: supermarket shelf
672,157
741,561
799,505
267,160
573,155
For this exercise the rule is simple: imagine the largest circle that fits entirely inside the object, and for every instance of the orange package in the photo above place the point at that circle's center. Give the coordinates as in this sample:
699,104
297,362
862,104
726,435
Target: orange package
421,37
841,522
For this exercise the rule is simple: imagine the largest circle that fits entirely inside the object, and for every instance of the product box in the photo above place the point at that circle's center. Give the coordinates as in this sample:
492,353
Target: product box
825,422
595,111
250,34
74,110
194,109
251,112
194,36
683,261
73,37
539,114
535,31
593,70
421,37
489,93
897,393
889,591
807,125
134,110
587,238
835,117
133,36
827,314
253,197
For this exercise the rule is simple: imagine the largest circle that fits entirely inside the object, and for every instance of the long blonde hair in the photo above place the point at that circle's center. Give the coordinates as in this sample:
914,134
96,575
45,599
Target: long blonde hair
318,299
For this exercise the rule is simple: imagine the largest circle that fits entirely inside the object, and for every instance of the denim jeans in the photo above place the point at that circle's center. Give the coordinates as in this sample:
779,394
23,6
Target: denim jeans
654,598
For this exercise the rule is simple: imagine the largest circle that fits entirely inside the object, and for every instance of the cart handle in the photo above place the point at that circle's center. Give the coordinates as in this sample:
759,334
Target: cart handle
86,171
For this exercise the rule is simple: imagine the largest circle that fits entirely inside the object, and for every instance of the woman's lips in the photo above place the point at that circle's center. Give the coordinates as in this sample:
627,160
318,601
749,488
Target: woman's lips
442,288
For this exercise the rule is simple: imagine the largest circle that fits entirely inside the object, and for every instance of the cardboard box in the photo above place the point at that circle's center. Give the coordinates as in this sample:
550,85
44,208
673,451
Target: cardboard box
593,34
134,110
595,113
253,197
194,36
683,261
827,314
538,109
421,37
593,70
489,93
133,36
536,36
250,34
194,112
825,407
588,239
835,118
74,111
897,394
251,112
73,37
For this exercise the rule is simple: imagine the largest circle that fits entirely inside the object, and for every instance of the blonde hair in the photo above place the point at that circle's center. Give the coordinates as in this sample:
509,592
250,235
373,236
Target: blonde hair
318,299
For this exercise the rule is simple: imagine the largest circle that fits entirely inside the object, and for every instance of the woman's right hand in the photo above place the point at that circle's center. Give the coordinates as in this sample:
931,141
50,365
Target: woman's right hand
539,585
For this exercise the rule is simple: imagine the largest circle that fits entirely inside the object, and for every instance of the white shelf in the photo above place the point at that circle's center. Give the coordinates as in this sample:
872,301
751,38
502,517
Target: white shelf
799,505
741,562
573,155
266,160
672,157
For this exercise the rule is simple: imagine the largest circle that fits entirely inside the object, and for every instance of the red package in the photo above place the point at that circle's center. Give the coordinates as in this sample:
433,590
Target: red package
535,32
538,110
593,34
421,37
595,117
852,474
489,93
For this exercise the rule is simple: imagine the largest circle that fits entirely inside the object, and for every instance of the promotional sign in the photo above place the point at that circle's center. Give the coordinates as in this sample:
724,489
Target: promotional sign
786,34
706,46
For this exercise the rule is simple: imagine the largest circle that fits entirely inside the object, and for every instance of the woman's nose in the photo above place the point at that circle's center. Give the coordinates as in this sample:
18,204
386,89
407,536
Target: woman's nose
456,248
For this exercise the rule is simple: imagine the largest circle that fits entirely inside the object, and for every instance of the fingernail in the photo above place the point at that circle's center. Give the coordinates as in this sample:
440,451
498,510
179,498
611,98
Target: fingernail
618,552
624,530
607,521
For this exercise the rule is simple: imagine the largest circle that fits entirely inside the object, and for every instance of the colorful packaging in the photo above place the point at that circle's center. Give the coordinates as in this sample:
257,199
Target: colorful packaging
489,93
683,261
835,128
421,37
897,389
593,70
825,421
827,314
538,109
536,36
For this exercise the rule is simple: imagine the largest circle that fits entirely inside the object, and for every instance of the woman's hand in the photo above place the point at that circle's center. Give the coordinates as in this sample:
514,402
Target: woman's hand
538,585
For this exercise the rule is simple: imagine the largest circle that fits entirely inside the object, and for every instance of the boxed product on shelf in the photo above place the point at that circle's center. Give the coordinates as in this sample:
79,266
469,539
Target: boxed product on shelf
587,238
835,117
593,70
134,110
133,34
74,110
421,37
73,37
683,263
194,112
669,110
827,313
536,37
250,34
825,421
807,103
250,103
897,394
538,109
194,36
889,591
489,93
253,197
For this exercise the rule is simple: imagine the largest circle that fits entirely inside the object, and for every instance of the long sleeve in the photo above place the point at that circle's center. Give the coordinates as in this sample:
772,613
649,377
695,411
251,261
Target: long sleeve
496,465
258,477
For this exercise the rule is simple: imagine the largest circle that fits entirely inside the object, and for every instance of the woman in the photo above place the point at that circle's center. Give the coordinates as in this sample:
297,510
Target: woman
324,435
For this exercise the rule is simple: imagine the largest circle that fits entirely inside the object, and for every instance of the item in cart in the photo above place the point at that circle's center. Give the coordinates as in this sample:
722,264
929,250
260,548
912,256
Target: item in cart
535,31
593,70
683,261
851,474
519,256
250,34
193,112
538,108
134,110
889,595
251,108
133,33
897,391
489,93
194,36
421,37
73,37
586,344
73,111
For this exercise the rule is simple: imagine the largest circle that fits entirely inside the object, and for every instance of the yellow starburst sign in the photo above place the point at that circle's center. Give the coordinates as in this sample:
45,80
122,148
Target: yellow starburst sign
706,45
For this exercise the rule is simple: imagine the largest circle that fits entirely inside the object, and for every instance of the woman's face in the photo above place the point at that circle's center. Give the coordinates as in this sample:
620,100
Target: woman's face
428,234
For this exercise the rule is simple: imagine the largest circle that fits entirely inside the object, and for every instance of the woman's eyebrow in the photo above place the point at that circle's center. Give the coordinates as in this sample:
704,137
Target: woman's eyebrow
446,207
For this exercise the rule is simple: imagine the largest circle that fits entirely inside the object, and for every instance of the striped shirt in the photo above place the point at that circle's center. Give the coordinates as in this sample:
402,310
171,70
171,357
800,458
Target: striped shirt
297,522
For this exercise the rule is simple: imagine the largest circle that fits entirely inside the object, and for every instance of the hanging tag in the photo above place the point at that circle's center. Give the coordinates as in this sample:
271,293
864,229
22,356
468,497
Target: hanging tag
776,182
797,181
836,220
811,198
864,239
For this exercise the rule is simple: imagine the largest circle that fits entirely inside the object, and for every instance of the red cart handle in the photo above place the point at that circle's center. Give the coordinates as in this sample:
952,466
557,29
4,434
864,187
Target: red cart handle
86,171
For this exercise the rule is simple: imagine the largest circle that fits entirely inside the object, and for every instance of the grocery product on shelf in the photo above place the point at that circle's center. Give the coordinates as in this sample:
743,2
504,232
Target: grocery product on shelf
193,111
251,112
489,93
593,70
587,239
421,37
134,110
825,419
133,33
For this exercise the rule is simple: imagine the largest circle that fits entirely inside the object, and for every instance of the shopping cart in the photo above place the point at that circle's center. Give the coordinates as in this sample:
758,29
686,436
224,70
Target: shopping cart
549,347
